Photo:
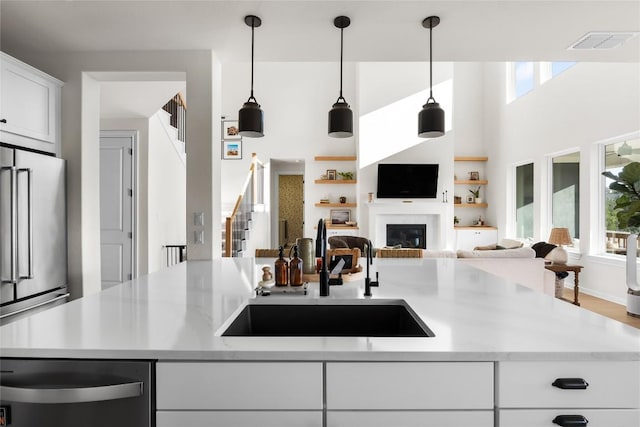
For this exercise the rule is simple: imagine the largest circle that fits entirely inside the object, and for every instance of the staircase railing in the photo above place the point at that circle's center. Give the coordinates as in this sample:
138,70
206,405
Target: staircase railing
236,225
177,108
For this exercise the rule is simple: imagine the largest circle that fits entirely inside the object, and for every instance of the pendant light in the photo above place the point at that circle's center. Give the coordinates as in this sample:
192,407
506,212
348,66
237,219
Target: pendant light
251,117
340,115
431,118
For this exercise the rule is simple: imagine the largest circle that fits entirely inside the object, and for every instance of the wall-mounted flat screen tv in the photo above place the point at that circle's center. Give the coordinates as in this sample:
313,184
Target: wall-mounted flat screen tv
407,181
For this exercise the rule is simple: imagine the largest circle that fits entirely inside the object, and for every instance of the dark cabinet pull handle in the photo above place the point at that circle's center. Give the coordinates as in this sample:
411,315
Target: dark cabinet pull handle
570,383
570,420
3,120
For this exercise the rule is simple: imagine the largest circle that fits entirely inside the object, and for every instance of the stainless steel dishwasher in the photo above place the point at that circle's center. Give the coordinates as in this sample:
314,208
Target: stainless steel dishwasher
70,393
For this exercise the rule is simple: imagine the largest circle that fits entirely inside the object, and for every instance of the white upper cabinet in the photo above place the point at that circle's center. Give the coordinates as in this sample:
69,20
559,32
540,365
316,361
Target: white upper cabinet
29,106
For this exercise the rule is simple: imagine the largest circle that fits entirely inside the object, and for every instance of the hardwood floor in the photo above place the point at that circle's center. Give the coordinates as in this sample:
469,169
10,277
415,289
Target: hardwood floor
606,308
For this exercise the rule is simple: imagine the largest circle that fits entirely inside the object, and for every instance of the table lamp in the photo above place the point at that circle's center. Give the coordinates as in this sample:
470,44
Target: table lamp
559,236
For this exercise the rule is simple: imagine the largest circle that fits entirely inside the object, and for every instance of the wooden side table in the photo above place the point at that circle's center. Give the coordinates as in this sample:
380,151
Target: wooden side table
567,268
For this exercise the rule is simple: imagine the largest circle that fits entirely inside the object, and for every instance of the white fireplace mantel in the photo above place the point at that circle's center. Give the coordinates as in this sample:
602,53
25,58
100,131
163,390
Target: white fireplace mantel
433,214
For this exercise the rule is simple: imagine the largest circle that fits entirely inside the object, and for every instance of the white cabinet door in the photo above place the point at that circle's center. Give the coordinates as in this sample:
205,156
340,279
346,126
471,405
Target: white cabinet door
409,418
529,384
545,417
409,385
238,385
469,239
239,419
30,103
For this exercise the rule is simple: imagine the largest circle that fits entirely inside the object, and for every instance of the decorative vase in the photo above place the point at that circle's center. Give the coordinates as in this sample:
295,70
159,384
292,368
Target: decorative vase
478,200
343,199
633,288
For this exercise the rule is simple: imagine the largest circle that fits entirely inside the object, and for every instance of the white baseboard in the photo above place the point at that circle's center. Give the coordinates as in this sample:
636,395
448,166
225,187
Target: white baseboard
621,301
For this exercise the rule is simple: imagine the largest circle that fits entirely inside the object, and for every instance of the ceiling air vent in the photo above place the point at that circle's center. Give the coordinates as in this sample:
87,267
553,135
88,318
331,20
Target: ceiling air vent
602,40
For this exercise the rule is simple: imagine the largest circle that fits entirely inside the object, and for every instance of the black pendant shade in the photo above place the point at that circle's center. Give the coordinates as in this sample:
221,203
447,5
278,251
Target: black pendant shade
340,115
431,117
251,120
341,120
250,116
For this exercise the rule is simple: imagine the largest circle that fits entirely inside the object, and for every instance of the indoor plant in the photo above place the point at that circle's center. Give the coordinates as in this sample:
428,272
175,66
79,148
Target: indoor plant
346,175
476,194
627,206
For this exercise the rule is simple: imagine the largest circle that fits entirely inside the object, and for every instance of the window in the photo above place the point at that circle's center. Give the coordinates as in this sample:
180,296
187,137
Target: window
524,201
559,67
522,78
565,192
616,156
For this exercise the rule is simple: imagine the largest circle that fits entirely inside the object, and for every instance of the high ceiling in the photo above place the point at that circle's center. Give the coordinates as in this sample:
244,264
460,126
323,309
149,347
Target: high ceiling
471,30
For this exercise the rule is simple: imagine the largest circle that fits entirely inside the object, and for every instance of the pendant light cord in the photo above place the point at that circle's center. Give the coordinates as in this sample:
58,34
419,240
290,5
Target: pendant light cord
430,62
341,56
252,48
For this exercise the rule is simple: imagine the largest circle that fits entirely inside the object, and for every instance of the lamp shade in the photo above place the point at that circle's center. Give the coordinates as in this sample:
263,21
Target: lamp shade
251,120
340,120
431,121
560,236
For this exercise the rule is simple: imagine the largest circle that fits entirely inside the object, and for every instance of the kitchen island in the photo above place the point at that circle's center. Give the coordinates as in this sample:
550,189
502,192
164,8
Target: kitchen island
497,348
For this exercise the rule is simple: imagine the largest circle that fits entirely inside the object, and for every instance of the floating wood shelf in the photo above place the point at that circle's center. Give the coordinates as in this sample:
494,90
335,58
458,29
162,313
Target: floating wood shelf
335,158
335,181
475,227
336,205
470,205
470,158
471,182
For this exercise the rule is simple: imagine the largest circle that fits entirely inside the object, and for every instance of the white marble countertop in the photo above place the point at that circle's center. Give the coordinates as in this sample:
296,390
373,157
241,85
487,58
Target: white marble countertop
179,314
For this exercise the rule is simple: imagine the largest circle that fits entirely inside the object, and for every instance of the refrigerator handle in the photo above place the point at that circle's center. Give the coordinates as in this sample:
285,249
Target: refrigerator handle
13,262
29,173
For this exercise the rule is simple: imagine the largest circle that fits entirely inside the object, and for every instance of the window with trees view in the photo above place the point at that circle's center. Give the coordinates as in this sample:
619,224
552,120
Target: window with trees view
616,156
524,201
565,191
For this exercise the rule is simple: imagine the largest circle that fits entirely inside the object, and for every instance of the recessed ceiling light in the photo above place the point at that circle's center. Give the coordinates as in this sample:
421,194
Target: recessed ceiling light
602,40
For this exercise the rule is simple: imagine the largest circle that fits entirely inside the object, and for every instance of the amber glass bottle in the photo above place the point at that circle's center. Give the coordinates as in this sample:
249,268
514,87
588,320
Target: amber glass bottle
282,269
295,268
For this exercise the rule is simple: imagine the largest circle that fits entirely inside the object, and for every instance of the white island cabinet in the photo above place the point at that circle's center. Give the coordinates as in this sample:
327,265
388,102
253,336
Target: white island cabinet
409,394
600,393
29,106
239,394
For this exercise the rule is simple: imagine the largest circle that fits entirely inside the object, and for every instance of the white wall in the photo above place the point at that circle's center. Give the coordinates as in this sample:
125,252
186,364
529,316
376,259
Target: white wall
296,99
586,104
167,194
80,136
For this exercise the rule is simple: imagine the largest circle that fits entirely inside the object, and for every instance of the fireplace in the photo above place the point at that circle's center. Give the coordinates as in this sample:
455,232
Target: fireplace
407,235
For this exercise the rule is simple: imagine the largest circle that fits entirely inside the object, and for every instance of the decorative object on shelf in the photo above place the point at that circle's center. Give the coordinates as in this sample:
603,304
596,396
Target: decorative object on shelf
471,199
331,174
230,129
457,200
325,201
346,175
476,195
251,117
232,150
474,176
456,220
343,199
340,216
431,118
559,236
340,115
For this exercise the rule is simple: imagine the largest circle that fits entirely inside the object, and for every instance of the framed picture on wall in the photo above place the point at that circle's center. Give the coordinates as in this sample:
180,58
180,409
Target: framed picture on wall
232,150
340,216
230,130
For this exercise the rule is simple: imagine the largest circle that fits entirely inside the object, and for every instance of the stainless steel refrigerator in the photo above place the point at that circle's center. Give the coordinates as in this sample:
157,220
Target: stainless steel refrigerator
33,242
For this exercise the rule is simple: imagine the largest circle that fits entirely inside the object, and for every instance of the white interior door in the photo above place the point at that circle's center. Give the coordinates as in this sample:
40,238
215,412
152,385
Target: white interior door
116,206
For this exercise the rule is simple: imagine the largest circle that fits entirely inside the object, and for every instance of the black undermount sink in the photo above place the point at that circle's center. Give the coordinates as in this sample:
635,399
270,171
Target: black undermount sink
376,318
